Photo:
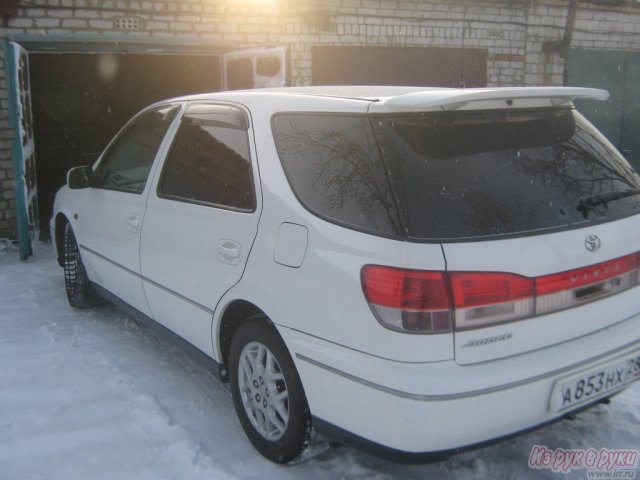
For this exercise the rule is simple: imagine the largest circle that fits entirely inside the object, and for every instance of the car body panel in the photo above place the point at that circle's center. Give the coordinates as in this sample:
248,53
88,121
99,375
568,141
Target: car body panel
334,257
110,247
428,407
185,275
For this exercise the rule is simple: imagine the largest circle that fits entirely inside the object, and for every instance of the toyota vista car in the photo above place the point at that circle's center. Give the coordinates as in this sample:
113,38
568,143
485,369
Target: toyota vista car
413,271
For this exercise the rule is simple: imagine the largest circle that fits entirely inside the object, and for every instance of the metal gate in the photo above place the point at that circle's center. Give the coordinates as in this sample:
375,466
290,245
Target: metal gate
24,160
619,73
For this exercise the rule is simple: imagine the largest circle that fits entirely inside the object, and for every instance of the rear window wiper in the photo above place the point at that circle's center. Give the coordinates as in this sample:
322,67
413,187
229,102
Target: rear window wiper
587,204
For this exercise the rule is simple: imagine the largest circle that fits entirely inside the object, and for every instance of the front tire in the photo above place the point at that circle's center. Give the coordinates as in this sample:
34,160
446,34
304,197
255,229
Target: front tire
79,291
267,392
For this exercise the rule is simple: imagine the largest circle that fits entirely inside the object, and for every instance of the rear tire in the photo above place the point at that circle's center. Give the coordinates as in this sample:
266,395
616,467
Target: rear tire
267,392
79,291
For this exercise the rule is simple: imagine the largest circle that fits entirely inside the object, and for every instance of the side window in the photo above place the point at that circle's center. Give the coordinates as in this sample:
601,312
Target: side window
334,168
127,162
209,162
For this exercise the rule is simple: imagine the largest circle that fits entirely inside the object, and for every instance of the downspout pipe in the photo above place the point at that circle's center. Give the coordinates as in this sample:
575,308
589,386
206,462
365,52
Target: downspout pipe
562,47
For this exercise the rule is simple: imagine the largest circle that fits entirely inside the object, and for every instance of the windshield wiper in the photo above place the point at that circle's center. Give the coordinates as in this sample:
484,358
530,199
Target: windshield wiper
587,205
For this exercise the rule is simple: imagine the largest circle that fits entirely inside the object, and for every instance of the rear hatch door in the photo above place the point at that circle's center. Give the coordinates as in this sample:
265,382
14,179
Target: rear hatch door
580,291
538,216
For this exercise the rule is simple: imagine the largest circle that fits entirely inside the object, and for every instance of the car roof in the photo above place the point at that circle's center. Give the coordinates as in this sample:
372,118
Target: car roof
399,98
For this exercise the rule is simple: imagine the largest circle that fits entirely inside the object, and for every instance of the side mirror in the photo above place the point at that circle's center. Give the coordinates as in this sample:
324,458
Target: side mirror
80,177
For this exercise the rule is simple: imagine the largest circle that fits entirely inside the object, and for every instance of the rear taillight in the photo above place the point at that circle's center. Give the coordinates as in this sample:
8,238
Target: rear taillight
432,302
481,299
572,288
408,300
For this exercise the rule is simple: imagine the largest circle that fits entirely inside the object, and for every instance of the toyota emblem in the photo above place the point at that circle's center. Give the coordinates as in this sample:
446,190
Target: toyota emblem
592,243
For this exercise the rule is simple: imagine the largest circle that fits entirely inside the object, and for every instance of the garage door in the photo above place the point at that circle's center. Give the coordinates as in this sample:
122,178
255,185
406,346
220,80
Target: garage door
80,100
416,66
619,73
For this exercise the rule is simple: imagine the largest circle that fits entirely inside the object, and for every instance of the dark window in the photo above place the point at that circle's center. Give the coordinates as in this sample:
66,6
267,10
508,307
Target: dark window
456,176
127,162
239,74
333,165
268,66
479,174
209,161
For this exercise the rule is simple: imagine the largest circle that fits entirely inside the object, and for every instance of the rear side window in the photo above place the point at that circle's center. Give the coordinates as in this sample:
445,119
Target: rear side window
334,168
209,161
467,175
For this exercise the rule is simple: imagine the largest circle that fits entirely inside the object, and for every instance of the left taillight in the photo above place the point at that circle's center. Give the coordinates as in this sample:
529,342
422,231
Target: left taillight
408,300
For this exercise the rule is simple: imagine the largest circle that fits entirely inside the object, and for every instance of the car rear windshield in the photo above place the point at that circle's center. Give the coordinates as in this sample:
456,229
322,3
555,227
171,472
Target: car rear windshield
455,176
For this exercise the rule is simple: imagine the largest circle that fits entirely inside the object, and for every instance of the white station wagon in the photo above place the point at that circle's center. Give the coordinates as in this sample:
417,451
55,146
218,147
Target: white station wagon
413,271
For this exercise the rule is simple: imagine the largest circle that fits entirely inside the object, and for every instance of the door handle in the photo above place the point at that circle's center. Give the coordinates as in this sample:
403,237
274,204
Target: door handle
229,251
133,223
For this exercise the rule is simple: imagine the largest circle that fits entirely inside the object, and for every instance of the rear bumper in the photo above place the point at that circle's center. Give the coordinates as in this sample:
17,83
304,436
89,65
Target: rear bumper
402,456
439,408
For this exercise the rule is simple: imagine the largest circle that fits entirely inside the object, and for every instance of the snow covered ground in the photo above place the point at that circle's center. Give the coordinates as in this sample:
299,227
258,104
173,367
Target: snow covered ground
89,394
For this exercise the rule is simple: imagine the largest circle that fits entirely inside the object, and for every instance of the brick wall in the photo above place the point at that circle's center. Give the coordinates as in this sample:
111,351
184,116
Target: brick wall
7,195
513,31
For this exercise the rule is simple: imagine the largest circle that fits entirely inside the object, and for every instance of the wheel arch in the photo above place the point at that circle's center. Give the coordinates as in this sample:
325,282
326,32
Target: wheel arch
58,235
236,313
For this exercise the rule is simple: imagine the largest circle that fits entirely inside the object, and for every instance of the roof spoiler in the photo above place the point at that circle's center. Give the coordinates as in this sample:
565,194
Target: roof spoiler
451,99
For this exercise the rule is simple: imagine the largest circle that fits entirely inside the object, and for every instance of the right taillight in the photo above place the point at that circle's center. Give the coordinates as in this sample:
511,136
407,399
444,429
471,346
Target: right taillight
417,301
574,287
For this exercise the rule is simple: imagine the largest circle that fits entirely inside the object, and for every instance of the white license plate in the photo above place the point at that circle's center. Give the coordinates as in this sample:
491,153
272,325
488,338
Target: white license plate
588,386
